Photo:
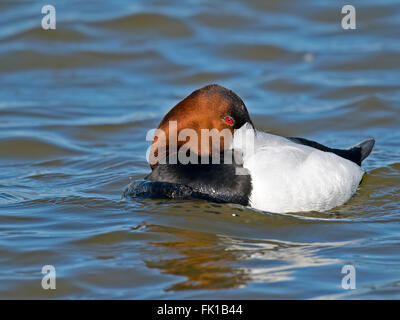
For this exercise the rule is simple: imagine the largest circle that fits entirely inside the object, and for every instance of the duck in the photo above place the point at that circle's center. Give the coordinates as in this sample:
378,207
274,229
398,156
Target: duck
256,169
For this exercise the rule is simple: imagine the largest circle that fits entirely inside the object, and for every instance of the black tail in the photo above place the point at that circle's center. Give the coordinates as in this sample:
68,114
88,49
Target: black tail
362,149
355,153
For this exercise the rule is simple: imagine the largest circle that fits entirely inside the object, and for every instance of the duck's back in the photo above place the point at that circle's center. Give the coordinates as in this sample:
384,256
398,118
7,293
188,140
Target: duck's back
289,177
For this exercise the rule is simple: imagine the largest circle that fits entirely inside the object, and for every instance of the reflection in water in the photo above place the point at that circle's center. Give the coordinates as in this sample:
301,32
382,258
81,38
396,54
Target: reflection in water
212,261
290,256
203,260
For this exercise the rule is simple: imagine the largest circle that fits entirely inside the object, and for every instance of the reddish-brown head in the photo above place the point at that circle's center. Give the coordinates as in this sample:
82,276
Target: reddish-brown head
211,107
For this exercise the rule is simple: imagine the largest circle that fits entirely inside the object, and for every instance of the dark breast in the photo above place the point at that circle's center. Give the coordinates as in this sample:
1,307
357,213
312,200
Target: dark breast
213,182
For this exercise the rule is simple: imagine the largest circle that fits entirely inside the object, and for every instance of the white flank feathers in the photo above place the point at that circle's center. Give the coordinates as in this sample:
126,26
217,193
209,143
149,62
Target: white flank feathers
291,177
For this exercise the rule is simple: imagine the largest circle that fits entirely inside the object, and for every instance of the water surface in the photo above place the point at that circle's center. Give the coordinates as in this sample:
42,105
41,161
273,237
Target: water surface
76,104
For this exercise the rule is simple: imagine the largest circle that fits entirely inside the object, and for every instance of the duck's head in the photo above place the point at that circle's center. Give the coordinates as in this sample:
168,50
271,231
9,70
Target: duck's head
212,107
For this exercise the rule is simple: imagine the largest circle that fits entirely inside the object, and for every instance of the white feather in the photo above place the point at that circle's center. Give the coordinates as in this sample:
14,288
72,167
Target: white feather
290,177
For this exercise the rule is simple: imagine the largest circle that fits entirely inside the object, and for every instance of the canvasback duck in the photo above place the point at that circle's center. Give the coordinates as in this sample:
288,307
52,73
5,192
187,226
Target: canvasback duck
257,169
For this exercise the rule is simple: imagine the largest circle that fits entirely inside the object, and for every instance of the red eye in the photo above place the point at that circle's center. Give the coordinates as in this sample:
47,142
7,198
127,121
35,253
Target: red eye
229,120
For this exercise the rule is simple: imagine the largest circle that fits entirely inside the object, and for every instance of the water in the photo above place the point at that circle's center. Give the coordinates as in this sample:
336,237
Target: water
76,104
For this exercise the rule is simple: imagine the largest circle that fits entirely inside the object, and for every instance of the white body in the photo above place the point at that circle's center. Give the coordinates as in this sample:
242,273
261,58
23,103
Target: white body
290,177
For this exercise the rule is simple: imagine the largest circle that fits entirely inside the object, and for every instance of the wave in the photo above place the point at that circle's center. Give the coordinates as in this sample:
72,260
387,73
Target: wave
148,22
33,147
